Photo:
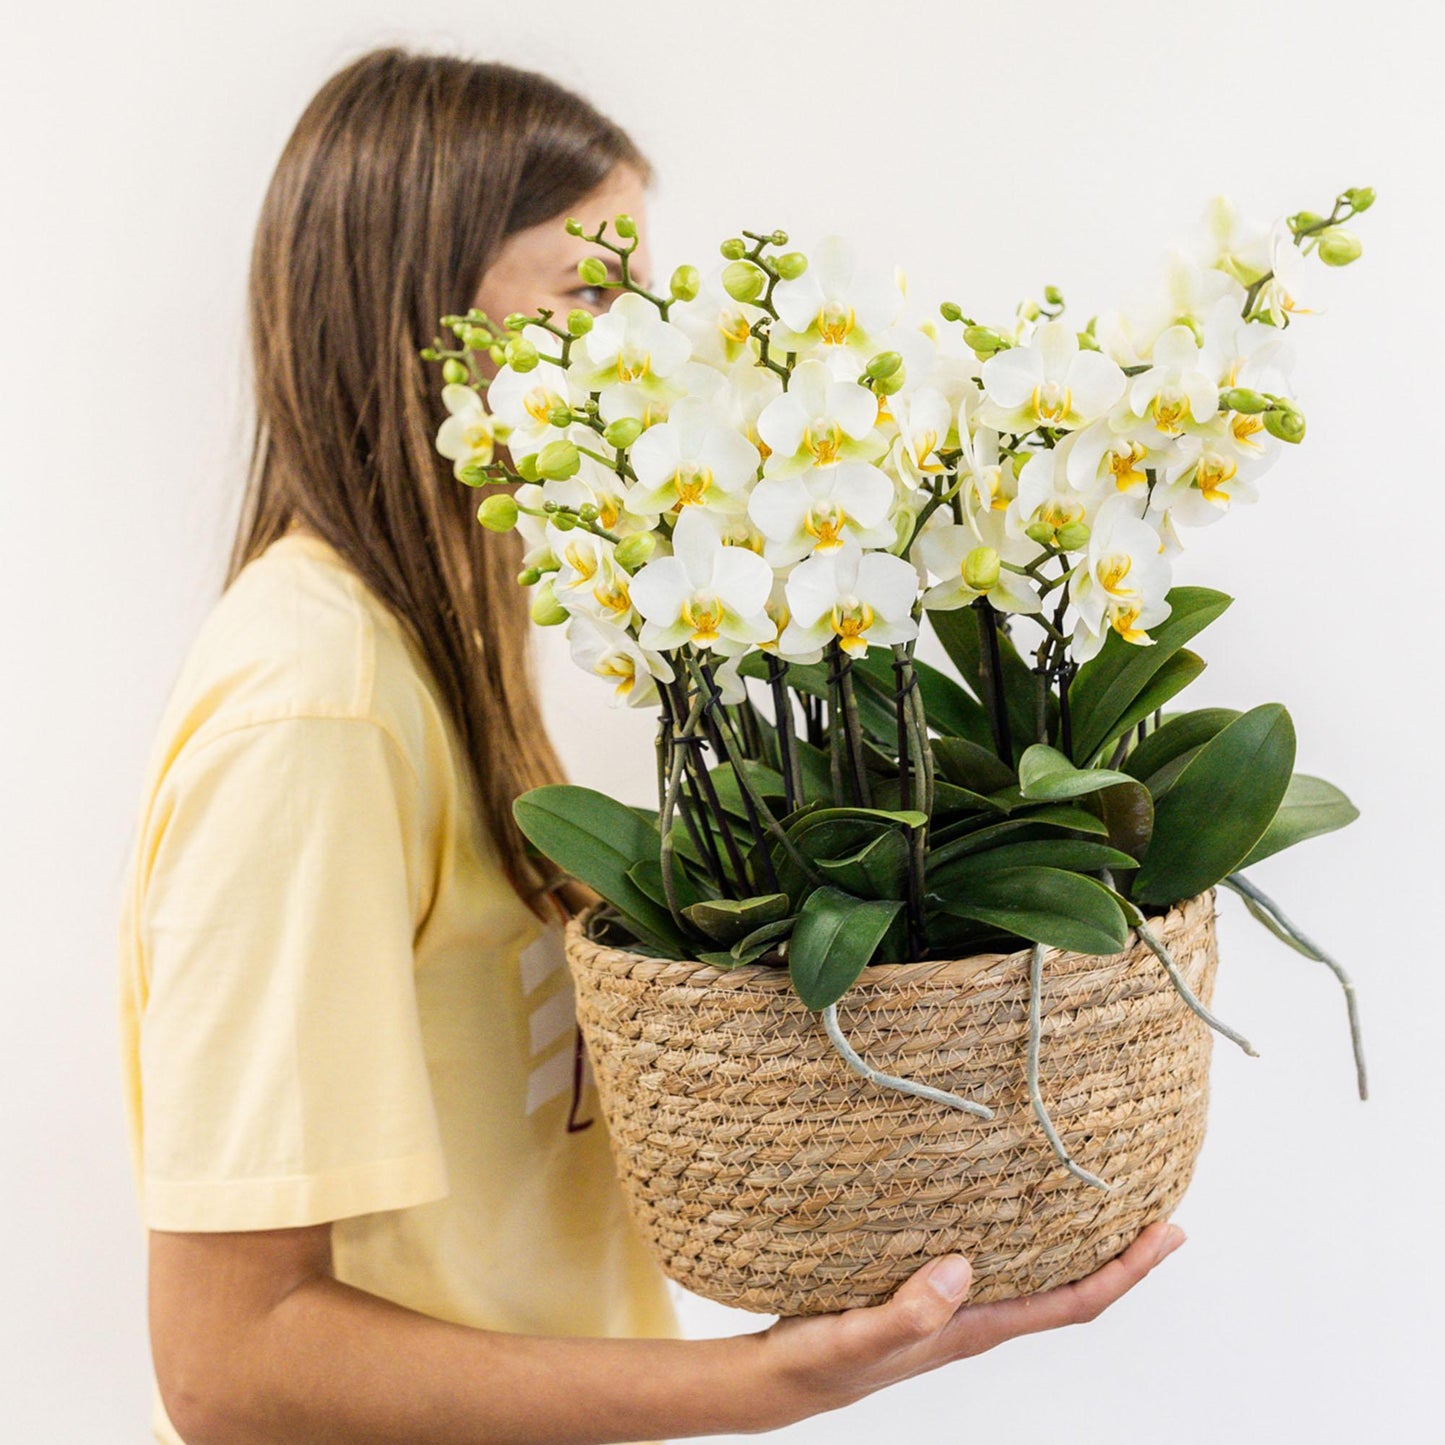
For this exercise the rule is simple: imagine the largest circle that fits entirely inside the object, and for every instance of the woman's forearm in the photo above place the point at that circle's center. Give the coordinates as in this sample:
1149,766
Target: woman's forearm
332,1363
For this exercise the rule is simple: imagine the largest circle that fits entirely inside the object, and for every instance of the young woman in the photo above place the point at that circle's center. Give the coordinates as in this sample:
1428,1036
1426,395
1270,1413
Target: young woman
378,1193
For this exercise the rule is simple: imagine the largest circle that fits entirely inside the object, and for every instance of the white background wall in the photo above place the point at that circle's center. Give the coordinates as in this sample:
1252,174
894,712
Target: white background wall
990,149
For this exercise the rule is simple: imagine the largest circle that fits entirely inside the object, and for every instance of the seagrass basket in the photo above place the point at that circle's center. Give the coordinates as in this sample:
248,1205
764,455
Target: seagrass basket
765,1174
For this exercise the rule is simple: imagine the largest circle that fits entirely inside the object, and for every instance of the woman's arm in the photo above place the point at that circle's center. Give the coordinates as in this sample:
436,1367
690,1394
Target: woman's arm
255,1343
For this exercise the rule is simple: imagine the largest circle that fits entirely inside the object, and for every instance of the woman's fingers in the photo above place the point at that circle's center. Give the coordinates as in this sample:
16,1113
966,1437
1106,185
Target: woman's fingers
981,1327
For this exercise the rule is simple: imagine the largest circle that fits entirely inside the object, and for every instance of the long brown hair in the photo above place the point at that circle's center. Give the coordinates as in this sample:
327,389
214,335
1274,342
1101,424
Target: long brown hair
401,180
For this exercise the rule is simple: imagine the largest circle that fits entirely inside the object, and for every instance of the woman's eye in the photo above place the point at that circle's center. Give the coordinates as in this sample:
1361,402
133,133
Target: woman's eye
592,295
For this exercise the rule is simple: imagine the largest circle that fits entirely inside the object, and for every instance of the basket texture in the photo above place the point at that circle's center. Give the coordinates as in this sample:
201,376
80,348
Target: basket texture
765,1174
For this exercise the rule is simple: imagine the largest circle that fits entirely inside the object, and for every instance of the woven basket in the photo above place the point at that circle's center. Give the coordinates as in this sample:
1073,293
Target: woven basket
766,1175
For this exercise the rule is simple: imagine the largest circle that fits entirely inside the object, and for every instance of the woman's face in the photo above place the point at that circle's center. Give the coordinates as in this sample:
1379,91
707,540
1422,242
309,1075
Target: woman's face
538,267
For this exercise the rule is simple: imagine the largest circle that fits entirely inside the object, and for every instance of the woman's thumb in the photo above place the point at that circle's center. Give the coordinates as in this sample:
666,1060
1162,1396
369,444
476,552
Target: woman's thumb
927,1299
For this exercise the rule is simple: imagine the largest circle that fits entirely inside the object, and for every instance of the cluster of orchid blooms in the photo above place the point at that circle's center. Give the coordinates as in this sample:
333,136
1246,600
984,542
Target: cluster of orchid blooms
779,457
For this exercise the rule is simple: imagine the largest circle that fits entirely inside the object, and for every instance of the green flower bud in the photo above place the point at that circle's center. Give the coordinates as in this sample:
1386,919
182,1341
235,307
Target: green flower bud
563,521
622,432
521,354
791,265
453,372
779,238
498,512
527,468
546,610
635,549
951,311
516,320
983,340
498,353
1240,398
588,511
1360,198
573,226
686,282
980,568
476,338
1303,220
561,417
733,249
579,322
558,460
1041,533
592,271
1072,536
1337,247
1053,296
625,226
1087,342
1285,423
1029,309
429,353
743,281
529,576
473,474
885,363
887,385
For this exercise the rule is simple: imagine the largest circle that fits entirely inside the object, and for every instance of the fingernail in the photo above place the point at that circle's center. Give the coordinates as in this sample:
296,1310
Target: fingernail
951,1276
1172,1240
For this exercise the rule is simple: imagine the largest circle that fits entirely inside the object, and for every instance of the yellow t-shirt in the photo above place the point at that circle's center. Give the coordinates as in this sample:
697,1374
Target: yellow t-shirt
333,1006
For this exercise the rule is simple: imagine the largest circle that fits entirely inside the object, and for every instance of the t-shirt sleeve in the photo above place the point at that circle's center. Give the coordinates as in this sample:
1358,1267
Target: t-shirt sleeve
283,1076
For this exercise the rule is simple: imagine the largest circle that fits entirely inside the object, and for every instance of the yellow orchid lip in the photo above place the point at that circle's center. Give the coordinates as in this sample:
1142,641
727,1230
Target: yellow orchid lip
835,322
1051,402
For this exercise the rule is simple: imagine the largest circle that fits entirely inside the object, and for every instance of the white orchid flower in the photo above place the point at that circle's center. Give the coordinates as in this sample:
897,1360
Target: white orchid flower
523,401
1217,468
706,592
629,357
1049,382
819,421
1177,392
1244,353
924,419
610,652
1184,293
1293,280
1047,498
1120,448
468,436
1121,583
781,614
600,486
719,328
835,303
694,458
943,546
1231,242
820,509
590,580
859,597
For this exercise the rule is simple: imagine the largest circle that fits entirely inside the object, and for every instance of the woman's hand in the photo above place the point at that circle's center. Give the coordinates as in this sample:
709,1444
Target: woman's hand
822,1362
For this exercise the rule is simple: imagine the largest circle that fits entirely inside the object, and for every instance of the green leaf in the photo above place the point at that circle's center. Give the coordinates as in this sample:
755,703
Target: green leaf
761,939
729,789
876,870
1178,735
1047,775
1311,807
1045,905
646,873
1219,807
725,920
957,630
1176,674
1128,813
1109,682
597,839
1078,855
967,765
1026,825
833,939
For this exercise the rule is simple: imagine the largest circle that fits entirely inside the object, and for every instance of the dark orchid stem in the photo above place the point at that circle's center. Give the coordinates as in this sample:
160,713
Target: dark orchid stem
852,728
990,666
1067,668
701,838
735,757
712,807
788,761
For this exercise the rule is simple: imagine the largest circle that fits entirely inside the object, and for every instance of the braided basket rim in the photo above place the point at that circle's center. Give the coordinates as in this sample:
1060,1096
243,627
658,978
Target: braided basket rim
770,978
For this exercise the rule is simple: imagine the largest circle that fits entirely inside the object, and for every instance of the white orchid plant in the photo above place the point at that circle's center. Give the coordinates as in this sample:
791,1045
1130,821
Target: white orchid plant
755,487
